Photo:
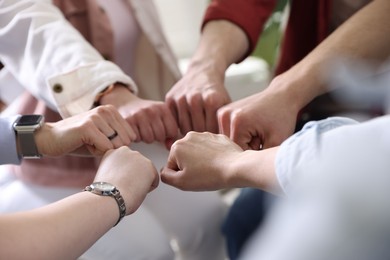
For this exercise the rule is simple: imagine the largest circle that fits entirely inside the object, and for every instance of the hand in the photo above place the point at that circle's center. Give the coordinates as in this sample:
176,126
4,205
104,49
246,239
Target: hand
133,174
195,99
151,120
259,121
83,133
201,161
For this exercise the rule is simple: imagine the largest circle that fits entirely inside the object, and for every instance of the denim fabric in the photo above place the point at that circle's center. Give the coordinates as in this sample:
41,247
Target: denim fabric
244,216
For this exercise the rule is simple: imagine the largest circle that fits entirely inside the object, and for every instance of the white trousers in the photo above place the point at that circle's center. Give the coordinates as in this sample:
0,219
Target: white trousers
170,224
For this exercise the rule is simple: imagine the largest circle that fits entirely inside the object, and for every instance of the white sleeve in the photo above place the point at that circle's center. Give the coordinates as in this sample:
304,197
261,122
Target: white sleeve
339,208
302,148
51,58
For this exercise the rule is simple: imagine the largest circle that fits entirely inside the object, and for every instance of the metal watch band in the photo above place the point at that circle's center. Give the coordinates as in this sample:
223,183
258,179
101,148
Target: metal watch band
121,204
114,194
27,146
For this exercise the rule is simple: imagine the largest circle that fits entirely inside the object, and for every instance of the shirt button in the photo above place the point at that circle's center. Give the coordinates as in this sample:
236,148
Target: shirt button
57,88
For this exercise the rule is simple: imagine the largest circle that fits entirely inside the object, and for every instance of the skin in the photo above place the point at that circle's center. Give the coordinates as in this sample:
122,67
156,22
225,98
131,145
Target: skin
85,133
268,118
80,219
195,99
206,162
151,120
2,105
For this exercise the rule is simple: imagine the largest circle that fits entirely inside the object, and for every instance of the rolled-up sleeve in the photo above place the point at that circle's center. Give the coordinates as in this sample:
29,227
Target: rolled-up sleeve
51,58
249,15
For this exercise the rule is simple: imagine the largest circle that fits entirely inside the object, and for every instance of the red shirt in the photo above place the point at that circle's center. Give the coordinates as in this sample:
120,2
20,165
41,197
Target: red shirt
307,26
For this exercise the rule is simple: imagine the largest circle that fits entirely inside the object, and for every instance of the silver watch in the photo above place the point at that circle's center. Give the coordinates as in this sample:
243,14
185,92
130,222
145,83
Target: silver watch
25,127
107,189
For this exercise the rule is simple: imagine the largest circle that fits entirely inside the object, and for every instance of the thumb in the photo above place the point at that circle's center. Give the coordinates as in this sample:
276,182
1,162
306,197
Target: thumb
169,176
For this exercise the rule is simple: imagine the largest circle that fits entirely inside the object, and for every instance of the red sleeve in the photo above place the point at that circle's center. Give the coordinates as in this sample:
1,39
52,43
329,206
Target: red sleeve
249,15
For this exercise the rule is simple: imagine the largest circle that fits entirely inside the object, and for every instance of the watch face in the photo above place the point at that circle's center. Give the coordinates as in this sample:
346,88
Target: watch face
103,186
28,120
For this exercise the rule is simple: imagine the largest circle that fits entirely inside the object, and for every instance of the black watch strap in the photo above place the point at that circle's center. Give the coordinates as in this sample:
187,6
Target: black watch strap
27,146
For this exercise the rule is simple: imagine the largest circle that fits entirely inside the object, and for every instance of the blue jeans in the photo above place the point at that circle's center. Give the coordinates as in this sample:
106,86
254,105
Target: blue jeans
243,218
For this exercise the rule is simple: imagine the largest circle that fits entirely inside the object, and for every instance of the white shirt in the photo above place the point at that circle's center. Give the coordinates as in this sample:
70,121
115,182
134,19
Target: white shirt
337,178
33,34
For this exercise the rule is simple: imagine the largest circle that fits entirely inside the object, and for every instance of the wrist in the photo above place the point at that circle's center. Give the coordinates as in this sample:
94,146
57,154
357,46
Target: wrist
256,169
300,85
104,206
109,94
289,92
106,189
208,66
43,138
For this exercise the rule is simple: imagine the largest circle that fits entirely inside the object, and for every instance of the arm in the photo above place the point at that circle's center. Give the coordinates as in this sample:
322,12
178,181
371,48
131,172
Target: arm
368,34
69,227
334,168
50,58
75,75
151,120
83,134
227,37
204,161
86,133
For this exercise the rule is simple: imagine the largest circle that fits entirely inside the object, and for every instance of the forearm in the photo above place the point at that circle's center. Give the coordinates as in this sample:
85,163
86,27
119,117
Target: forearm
65,229
52,59
222,43
256,169
364,36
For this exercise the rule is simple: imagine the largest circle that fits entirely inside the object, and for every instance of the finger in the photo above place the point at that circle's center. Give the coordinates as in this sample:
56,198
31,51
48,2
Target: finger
91,150
224,122
100,143
197,115
120,135
172,159
114,135
125,131
211,121
173,108
242,139
103,126
115,139
184,117
170,125
158,130
168,143
146,132
255,143
134,127
109,133
211,104
170,176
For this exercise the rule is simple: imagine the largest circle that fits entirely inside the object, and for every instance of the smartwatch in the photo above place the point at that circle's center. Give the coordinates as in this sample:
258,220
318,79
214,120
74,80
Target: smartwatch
107,189
25,128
